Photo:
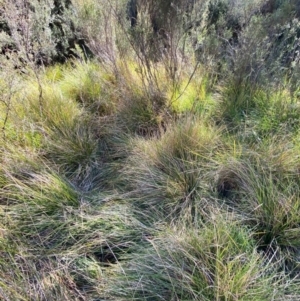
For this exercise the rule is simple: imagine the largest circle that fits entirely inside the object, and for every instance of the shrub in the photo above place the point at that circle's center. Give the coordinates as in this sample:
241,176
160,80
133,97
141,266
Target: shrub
96,23
41,32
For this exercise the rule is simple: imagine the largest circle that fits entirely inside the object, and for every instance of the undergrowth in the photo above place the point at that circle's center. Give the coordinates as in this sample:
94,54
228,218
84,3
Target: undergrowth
166,168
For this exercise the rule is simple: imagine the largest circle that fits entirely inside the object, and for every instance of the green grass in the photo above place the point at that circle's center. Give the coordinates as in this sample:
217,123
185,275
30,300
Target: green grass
216,261
87,84
130,203
169,176
121,179
261,188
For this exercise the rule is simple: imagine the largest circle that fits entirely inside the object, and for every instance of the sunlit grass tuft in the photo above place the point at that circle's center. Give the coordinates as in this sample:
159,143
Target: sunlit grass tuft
91,86
47,190
192,95
54,73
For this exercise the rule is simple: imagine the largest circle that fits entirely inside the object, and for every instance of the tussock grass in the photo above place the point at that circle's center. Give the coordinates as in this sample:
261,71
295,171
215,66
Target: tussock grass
128,205
168,176
263,192
64,238
257,112
51,106
29,278
76,151
137,115
193,94
143,107
47,189
214,262
89,85
238,101
58,126
54,73
131,177
281,115
101,232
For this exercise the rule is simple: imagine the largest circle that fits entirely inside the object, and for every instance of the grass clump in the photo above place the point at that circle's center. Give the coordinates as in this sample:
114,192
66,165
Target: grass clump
263,193
142,107
76,151
281,115
88,84
169,176
137,115
193,94
214,262
47,189
65,238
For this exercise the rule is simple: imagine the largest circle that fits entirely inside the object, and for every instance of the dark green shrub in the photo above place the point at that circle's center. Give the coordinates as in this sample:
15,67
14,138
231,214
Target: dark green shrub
39,32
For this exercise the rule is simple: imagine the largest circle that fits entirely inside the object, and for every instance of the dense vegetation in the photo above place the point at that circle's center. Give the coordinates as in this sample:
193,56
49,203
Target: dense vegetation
150,150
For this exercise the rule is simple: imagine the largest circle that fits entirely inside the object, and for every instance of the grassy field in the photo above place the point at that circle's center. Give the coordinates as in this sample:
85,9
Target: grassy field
128,178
